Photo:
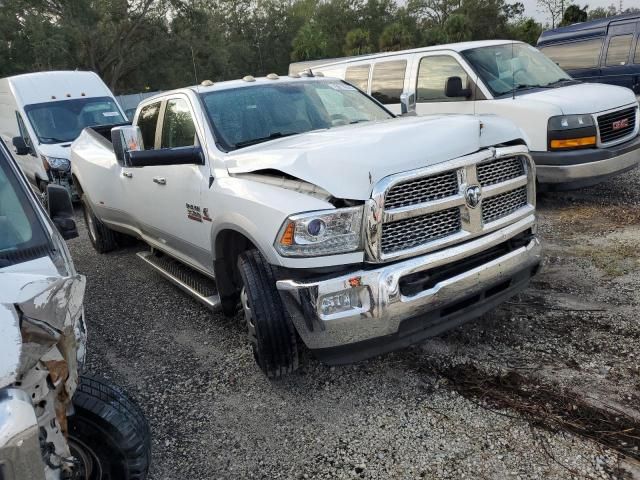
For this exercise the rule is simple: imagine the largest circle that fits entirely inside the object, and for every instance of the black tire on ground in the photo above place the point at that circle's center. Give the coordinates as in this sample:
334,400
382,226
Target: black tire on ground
108,433
102,238
272,335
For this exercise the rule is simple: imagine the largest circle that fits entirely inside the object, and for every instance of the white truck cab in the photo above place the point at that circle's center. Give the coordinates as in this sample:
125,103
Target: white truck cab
578,133
332,224
42,113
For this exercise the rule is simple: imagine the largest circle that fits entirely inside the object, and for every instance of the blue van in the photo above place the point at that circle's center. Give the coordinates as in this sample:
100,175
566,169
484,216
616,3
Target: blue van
606,50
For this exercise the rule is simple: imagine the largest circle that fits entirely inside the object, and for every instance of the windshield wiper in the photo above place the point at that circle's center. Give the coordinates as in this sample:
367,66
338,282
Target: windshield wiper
273,136
561,81
53,140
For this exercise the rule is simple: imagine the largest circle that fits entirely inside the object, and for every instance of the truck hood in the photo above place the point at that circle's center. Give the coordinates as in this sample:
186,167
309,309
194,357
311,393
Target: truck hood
584,97
58,150
50,312
347,161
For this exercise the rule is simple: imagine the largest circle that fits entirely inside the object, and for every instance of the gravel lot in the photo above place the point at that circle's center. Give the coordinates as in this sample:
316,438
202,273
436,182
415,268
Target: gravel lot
496,398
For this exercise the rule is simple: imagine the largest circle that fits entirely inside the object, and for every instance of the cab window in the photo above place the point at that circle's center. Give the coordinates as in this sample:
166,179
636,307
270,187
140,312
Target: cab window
618,51
358,76
636,55
178,129
147,121
575,55
433,73
387,81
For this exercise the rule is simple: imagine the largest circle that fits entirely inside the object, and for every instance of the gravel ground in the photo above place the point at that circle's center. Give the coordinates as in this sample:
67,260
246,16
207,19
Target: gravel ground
214,415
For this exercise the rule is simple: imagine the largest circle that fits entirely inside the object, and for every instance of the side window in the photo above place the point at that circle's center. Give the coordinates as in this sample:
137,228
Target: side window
23,131
618,51
575,55
178,129
432,78
387,82
147,121
636,56
358,76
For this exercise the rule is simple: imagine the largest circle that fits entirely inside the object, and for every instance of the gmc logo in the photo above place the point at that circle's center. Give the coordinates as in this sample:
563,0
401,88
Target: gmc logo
618,124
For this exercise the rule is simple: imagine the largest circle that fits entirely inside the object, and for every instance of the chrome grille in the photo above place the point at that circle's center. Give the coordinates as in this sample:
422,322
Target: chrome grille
503,204
425,210
411,232
500,170
422,190
617,125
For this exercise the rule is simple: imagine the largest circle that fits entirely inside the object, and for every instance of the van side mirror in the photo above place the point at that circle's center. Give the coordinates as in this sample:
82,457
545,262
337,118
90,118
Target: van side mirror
125,139
20,146
453,88
61,211
408,104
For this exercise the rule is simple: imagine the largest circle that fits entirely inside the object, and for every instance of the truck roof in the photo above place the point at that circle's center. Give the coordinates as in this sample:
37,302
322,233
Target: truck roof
594,28
298,67
40,87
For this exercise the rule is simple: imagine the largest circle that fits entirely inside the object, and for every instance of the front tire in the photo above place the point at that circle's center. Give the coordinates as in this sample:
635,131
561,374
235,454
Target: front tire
108,433
102,238
271,333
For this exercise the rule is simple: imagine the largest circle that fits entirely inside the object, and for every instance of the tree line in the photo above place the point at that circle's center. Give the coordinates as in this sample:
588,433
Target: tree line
138,45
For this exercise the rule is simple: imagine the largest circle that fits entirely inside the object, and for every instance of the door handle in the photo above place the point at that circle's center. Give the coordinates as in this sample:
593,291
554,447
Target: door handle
127,174
160,180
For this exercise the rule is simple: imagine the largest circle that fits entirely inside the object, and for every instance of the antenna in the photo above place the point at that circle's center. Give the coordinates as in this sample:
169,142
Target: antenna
513,75
475,92
195,71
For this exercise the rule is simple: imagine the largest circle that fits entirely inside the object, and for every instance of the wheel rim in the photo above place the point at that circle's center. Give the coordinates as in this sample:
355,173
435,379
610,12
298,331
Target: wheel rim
89,466
248,314
91,226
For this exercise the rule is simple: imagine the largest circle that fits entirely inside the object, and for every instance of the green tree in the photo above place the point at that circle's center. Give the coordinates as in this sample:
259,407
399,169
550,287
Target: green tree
310,43
457,28
574,14
395,37
357,42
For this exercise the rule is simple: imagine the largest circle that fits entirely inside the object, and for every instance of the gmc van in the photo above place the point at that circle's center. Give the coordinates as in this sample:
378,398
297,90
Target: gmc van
606,50
578,134
42,113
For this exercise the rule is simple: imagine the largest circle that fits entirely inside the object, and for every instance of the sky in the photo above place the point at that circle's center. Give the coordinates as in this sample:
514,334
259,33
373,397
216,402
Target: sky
532,9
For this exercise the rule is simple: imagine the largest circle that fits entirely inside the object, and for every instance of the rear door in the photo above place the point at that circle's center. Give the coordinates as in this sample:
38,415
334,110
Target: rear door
167,197
389,79
617,61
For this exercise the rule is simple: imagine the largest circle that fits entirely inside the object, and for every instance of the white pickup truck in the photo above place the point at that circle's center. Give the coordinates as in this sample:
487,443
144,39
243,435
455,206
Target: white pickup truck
304,201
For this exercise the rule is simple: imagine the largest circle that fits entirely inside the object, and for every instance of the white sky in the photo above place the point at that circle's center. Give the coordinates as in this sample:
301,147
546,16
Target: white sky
532,9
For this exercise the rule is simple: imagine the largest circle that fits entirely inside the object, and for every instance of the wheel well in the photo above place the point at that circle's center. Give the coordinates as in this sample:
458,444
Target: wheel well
228,247
77,184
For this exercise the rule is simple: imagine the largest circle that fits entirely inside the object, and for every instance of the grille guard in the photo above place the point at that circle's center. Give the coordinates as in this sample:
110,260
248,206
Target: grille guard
375,214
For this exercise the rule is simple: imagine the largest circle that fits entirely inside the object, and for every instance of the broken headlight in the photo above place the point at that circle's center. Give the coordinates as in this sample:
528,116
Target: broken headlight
321,233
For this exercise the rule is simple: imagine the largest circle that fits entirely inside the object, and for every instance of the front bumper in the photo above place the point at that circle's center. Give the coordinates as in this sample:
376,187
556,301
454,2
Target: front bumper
581,168
20,455
387,319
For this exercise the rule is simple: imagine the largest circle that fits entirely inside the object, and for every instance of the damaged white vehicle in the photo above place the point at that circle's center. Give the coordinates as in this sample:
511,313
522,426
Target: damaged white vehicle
54,424
333,224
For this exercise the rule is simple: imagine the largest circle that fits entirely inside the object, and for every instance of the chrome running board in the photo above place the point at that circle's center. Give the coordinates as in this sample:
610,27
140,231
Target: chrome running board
200,287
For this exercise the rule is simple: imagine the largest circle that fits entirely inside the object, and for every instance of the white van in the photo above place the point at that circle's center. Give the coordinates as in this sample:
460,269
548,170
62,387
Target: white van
578,133
42,113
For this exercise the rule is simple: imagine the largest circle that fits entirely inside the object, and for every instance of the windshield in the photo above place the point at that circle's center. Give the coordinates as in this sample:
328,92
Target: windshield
63,120
248,115
505,68
22,236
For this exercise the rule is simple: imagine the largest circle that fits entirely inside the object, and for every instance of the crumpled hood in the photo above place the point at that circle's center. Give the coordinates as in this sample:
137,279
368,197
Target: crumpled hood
347,161
58,150
584,97
50,307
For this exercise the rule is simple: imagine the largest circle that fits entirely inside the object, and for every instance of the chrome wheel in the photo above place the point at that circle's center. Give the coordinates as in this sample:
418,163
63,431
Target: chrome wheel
248,315
91,225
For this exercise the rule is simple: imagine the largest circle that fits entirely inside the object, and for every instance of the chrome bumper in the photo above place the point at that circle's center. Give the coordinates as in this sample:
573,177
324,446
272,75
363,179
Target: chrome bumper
596,170
382,307
20,456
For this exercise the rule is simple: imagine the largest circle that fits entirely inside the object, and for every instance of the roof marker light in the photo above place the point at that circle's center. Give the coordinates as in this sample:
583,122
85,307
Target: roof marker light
294,75
249,78
206,83
273,76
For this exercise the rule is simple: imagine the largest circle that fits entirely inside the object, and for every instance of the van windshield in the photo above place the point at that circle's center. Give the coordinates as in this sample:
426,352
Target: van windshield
515,67
22,236
63,120
258,113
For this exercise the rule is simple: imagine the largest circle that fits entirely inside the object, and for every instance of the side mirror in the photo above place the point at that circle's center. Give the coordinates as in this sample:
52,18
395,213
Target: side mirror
408,104
167,156
453,88
126,139
20,146
61,211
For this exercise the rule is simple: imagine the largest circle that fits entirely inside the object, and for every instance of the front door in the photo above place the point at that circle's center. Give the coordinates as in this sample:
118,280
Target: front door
167,197
431,77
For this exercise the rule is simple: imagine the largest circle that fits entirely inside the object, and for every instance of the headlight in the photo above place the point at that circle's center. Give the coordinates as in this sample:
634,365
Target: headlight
56,163
320,233
571,131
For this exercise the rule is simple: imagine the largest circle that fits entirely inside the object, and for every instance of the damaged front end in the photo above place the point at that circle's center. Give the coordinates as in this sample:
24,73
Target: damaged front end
42,342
